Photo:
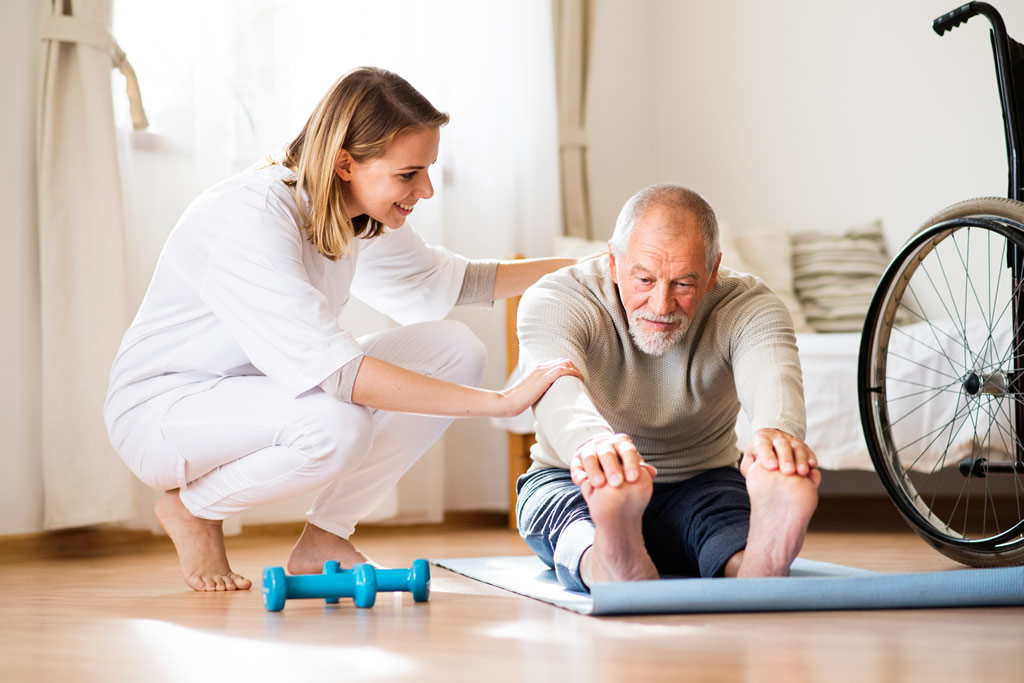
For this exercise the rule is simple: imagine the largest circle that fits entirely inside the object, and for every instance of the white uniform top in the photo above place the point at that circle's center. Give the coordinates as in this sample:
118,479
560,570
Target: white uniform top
240,290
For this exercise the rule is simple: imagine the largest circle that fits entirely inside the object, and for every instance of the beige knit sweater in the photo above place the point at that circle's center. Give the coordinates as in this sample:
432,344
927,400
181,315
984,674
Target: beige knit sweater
679,408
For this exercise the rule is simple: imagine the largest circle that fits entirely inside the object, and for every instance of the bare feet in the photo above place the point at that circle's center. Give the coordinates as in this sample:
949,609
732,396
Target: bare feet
315,546
618,553
781,506
200,546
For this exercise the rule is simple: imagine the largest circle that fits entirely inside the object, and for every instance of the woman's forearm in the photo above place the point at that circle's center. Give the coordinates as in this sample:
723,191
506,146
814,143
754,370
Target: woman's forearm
379,384
514,277
385,386
382,385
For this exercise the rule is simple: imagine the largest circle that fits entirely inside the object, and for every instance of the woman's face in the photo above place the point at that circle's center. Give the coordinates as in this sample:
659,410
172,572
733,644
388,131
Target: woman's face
387,188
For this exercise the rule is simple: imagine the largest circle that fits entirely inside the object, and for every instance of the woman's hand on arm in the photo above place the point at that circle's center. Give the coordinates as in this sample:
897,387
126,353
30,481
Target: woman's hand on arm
385,386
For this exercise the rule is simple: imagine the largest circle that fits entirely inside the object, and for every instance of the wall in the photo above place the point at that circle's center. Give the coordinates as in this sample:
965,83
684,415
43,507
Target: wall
21,507
620,116
809,114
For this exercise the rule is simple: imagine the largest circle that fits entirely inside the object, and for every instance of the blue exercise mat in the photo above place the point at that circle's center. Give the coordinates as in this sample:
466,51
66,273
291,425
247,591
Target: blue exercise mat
811,586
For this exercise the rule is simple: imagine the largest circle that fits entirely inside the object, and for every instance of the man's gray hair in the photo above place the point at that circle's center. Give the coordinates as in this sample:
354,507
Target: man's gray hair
674,197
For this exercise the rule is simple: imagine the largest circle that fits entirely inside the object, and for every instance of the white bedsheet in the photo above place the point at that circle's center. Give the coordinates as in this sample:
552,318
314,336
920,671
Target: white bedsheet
920,356
829,364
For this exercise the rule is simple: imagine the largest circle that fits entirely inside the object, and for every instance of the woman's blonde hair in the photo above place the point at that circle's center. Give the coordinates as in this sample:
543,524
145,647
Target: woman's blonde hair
362,113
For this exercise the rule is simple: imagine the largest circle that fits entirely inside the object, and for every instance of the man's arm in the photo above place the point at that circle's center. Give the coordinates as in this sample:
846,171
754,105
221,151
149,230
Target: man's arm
556,322
769,384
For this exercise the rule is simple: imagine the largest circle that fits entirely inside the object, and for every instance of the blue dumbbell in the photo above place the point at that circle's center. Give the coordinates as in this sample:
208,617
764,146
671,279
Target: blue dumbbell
415,579
359,583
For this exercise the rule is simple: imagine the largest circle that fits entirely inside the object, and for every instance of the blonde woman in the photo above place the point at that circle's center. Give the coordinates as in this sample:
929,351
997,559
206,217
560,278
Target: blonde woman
235,385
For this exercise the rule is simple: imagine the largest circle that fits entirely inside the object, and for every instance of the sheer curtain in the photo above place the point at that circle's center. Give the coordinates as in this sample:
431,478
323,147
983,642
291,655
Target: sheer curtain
230,82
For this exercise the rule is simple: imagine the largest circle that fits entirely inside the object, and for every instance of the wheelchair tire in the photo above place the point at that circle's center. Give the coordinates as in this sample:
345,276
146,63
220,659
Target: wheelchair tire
937,386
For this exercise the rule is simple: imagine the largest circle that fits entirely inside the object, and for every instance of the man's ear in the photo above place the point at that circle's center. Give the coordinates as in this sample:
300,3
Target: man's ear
611,263
343,165
714,272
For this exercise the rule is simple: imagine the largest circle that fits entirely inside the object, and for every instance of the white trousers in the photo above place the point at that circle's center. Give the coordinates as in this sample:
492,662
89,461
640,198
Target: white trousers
245,442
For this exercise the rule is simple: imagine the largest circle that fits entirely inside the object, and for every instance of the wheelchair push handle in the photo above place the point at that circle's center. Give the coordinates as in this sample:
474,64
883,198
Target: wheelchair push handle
950,20
1009,58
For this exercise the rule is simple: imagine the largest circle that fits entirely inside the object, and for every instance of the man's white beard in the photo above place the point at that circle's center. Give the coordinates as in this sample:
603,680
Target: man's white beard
652,342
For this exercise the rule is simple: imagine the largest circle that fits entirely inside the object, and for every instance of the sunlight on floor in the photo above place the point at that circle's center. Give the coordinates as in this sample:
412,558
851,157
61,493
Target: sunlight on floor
192,655
567,629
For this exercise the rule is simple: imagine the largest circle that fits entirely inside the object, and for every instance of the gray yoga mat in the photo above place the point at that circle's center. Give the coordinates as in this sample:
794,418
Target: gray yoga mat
811,586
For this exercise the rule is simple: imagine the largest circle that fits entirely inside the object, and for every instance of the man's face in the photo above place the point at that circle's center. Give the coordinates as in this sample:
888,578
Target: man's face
662,278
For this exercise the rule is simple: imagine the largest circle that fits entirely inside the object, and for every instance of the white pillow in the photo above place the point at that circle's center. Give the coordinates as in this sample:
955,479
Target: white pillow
768,255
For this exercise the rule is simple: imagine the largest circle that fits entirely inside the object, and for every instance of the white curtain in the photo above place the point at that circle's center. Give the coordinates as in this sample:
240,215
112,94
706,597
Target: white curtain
81,246
230,82
573,31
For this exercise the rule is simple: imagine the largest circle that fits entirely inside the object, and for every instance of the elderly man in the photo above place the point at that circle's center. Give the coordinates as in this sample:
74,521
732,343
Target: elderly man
636,470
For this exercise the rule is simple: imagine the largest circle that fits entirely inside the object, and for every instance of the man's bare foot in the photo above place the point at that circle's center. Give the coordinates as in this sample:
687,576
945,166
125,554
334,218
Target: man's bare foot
315,546
200,546
618,553
781,506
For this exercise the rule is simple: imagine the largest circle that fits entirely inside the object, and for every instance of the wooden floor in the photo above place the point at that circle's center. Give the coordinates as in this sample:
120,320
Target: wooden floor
129,617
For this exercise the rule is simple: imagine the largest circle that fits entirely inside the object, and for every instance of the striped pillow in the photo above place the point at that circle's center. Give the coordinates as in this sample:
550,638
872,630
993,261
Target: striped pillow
834,275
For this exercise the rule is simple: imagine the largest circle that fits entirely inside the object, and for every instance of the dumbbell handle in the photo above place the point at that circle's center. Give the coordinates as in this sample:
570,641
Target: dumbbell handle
318,585
394,580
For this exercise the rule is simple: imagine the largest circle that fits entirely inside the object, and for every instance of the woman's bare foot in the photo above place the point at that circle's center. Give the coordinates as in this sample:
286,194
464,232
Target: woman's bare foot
315,546
200,546
781,506
618,553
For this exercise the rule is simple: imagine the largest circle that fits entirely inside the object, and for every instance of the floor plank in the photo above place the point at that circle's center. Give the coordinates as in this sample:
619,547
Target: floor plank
129,617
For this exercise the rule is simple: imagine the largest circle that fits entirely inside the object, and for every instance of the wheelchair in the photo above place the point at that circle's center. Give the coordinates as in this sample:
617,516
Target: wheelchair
943,347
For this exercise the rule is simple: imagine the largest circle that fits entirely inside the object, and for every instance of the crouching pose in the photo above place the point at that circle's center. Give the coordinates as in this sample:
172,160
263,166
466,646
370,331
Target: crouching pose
235,384
636,470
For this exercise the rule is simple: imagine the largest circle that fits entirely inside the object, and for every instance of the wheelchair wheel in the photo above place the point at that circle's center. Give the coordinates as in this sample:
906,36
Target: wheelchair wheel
940,386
